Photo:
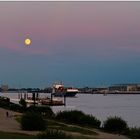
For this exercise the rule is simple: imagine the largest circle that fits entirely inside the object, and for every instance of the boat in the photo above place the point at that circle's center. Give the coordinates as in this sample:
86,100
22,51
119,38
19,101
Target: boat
59,91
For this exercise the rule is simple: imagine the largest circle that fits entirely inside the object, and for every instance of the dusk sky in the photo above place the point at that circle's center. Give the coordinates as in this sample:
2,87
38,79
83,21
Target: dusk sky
78,43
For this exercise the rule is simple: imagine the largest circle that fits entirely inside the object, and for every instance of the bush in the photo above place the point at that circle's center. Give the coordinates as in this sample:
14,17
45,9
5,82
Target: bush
32,121
115,124
15,107
53,134
133,133
5,99
23,103
78,117
44,110
4,102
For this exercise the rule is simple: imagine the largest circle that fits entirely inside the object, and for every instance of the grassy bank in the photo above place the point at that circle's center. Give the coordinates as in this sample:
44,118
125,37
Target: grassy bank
75,123
80,131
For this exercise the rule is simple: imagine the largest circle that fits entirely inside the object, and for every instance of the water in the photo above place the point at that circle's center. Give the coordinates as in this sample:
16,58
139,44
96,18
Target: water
125,106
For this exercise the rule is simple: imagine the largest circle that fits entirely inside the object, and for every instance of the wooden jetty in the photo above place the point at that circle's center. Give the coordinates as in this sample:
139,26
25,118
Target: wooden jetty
35,99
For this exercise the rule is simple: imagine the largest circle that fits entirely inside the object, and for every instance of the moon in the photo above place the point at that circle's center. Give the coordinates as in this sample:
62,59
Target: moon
27,41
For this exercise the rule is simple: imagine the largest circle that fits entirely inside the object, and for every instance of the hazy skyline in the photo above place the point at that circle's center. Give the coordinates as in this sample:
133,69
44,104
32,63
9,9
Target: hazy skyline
78,43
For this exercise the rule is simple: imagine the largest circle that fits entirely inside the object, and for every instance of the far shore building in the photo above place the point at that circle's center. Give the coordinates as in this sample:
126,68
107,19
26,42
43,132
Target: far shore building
125,87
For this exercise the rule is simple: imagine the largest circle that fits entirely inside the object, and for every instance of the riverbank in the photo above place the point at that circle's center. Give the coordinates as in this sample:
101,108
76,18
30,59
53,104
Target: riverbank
102,107
10,125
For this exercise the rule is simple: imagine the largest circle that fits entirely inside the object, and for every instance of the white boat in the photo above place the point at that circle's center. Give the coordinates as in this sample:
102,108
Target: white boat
59,90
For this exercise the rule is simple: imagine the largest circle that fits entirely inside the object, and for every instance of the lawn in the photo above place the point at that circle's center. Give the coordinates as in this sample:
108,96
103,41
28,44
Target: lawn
83,132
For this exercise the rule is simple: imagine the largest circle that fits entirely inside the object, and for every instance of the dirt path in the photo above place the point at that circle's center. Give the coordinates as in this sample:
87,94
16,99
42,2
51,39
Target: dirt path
104,135
99,136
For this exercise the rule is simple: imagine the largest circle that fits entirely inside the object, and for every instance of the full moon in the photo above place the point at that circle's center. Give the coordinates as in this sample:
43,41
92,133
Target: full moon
27,41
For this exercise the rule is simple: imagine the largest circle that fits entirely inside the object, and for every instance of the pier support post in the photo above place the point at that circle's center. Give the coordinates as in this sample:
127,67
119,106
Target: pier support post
33,98
18,95
37,95
51,98
24,96
64,100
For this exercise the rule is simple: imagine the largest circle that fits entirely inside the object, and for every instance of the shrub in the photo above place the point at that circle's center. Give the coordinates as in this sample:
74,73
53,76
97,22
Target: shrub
53,134
15,107
32,121
133,133
44,110
78,117
23,103
115,124
92,121
4,102
5,99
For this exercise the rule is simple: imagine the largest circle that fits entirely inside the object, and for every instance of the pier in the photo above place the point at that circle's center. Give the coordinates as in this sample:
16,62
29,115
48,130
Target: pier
35,99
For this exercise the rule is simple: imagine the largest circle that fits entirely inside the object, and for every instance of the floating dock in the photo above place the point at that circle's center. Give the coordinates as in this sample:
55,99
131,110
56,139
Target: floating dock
35,99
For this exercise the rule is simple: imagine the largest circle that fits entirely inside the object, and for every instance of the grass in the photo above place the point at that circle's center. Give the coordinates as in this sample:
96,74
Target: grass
65,127
8,135
53,134
79,130
133,133
18,119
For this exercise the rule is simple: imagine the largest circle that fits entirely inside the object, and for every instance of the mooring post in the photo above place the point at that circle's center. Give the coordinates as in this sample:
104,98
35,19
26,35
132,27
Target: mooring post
18,96
33,97
51,98
24,96
64,100
37,95
27,95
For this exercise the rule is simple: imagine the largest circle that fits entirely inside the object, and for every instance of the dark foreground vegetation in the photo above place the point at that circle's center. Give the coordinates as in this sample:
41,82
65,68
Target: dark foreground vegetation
54,122
42,110
79,118
42,118
115,124
53,134
33,121
9,135
5,103
119,126
133,133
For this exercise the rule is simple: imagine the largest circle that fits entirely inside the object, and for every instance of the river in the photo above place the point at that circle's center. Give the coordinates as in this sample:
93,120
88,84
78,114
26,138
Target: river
124,106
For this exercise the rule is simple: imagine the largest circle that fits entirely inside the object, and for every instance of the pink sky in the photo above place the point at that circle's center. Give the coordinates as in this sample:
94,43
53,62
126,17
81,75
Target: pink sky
54,21
75,42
